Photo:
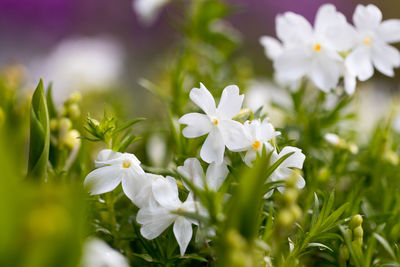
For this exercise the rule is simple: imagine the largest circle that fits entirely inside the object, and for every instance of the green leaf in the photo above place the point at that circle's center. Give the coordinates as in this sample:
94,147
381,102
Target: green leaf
385,245
50,103
127,125
39,135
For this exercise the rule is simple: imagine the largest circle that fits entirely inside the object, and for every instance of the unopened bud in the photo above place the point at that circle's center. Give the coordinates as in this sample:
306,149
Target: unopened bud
344,253
75,97
71,140
290,195
65,124
285,218
74,111
296,211
356,221
53,125
358,232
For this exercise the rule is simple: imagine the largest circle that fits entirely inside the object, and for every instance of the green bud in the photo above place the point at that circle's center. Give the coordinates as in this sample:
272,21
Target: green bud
285,217
71,139
296,211
65,124
324,174
75,97
292,180
358,232
290,195
356,221
344,253
53,125
2,116
74,111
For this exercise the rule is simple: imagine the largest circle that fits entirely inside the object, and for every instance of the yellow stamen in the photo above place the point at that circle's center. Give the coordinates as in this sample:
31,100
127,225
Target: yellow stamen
215,121
256,145
367,41
126,164
317,47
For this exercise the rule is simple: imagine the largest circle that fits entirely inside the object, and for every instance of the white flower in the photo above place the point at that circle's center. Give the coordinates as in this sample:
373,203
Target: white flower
371,38
258,135
148,10
145,197
97,253
112,169
310,52
332,139
285,169
81,64
216,122
155,219
214,177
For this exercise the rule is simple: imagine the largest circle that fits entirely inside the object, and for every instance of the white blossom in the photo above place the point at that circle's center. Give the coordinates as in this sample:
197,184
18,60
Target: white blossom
214,177
148,10
97,253
371,38
216,122
155,219
258,134
286,168
112,169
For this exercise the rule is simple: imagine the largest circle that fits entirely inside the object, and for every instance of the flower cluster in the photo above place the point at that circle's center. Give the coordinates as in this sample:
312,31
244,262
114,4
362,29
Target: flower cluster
158,197
333,48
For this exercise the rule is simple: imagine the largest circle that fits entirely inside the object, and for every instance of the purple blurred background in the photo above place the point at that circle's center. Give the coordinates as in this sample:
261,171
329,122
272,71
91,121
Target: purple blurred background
31,28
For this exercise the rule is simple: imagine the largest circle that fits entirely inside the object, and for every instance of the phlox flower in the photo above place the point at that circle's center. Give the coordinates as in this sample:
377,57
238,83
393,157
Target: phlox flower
286,168
257,135
307,51
96,253
112,169
156,218
371,38
216,122
148,10
214,177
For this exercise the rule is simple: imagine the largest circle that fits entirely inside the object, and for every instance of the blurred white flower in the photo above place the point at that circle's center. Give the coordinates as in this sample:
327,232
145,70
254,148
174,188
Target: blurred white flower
156,218
216,122
97,253
371,38
332,139
112,169
285,169
214,177
148,10
156,149
258,135
310,52
82,64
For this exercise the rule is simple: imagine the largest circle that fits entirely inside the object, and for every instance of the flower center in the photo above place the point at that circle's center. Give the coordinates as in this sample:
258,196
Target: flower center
126,164
317,47
256,145
367,41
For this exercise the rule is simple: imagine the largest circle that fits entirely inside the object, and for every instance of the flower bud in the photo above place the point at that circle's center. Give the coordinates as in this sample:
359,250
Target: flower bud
358,232
296,211
290,195
74,111
344,254
285,217
75,97
356,221
71,140
53,125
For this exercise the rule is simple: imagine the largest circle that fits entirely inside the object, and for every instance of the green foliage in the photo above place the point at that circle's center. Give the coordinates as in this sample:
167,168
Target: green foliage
39,135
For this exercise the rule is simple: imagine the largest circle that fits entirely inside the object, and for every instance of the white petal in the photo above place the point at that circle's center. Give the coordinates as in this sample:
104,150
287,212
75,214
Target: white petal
293,64
367,17
266,131
103,180
192,171
293,29
326,17
325,73
183,233
204,99
385,58
197,125
213,148
132,184
359,63
293,161
144,196
230,103
349,83
300,182
154,221
105,156
216,174
389,31
250,156
233,135
272,47
165,191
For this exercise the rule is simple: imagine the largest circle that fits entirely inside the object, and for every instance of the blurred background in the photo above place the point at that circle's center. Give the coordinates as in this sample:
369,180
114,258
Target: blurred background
97,42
